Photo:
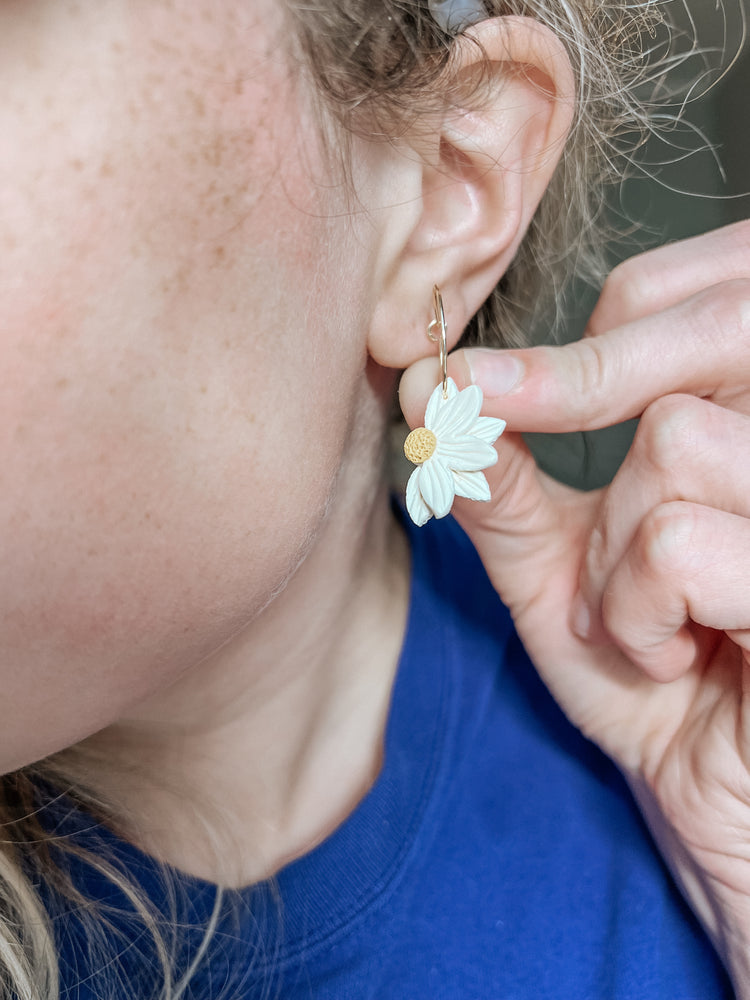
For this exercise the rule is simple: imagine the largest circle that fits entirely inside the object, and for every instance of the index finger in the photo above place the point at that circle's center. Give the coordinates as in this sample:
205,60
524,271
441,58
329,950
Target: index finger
699,346
660,278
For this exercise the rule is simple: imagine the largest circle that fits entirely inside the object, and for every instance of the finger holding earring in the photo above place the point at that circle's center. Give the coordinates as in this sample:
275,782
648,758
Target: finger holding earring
454,445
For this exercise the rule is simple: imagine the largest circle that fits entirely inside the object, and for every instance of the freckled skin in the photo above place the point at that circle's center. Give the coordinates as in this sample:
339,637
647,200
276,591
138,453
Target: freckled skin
174,283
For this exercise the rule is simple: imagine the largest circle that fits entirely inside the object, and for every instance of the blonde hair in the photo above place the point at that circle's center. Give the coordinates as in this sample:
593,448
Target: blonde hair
374,63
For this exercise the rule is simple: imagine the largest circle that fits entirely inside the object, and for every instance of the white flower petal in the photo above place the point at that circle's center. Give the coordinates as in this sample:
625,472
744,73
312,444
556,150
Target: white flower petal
465,453
436,486
472,485
458,414
418,510
488,429
436,402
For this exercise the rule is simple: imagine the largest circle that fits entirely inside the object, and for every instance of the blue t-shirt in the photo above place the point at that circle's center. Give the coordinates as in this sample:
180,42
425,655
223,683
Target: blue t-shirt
499,855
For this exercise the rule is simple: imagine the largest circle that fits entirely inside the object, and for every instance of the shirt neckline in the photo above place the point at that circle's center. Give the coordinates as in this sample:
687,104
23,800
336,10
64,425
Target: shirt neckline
318,897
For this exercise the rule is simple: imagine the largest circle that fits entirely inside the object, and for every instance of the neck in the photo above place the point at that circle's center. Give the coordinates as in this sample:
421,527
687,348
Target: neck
261,751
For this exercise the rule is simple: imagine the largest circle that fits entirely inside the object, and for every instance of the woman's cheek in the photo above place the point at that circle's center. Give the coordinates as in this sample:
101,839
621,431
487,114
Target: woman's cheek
181,337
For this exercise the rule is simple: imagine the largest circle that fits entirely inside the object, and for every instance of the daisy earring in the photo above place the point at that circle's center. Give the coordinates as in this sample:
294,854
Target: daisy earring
455,443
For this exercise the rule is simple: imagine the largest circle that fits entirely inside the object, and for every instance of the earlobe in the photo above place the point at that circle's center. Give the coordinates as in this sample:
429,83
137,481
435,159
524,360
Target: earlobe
509,103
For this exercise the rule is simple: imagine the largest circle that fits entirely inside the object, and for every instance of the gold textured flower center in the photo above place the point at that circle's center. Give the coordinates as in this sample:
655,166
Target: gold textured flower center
420,445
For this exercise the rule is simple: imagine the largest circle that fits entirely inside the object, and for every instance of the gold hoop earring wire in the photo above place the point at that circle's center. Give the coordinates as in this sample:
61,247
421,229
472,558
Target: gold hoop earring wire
442,339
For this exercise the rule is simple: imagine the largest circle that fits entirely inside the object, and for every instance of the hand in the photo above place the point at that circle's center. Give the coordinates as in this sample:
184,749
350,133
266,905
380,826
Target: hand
634,601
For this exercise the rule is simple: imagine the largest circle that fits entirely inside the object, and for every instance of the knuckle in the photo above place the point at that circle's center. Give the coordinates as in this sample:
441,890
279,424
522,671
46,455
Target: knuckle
664,543
725,313
670,432
632,285
589,380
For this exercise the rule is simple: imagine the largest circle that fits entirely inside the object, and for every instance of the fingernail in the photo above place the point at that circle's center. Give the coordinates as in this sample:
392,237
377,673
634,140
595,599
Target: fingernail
494,372
580,618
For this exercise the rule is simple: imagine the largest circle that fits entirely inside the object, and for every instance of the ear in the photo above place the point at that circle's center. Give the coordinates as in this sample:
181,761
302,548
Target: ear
480,176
